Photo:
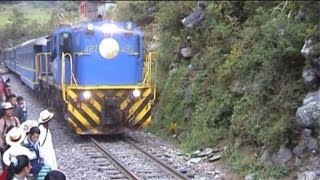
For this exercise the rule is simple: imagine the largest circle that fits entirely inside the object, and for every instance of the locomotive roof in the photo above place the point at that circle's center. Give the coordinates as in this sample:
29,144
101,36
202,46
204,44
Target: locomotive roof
37,41
98,24
7,49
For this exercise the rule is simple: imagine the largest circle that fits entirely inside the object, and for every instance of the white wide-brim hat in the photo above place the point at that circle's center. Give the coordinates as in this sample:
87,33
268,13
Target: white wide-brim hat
28,124
45,116
15,136
14,151
7,105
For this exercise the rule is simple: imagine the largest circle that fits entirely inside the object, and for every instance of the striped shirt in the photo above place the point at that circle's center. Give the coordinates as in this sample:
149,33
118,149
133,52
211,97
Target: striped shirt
43,172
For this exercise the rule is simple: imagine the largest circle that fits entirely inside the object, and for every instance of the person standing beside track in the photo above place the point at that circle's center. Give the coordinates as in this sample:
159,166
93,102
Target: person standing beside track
17,110
7,87
2,89
14,138
22,104
32,143
6,121
45,139
19,168
55,175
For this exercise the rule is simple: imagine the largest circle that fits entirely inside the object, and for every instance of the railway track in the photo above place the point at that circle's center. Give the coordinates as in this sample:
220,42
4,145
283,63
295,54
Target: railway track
123,159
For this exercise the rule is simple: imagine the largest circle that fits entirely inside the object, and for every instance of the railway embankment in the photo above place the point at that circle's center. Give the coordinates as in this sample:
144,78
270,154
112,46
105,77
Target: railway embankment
238,75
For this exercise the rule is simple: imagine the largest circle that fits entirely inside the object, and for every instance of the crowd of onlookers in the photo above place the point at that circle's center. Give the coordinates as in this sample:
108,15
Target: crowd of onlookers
26,147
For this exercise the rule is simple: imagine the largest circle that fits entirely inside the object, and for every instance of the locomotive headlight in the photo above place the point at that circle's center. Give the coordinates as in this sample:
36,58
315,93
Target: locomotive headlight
86,95
129,26
136,93
109,48
109,28
90,27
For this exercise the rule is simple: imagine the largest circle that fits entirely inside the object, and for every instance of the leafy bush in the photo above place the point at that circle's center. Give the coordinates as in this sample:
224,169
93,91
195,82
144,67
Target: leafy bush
253,44
245,163
263,54
141,12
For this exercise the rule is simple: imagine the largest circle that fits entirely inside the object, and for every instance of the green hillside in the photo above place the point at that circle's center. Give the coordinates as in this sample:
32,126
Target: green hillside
31,13
21,21
239,86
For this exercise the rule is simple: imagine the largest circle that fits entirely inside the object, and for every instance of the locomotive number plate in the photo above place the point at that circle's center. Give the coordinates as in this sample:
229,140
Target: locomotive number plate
91,49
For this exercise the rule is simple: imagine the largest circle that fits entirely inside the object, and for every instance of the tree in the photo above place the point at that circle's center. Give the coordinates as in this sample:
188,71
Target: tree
16,28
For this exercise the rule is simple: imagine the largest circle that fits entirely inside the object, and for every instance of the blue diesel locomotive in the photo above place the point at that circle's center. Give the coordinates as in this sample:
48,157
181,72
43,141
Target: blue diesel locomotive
96,74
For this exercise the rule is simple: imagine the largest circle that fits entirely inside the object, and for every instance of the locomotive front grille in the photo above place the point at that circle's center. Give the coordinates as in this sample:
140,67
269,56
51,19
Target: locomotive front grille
108,111
111,113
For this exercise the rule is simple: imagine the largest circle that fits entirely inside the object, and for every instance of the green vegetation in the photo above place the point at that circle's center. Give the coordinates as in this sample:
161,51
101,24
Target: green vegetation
32,14
142,13
262,54
38,15
245,164
23,21
253,44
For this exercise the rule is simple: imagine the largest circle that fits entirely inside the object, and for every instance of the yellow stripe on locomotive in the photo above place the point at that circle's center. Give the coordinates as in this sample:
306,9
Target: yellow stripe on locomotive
108,110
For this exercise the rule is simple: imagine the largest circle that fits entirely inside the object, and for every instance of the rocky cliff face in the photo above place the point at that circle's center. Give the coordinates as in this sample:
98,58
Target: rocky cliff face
235,72
308,115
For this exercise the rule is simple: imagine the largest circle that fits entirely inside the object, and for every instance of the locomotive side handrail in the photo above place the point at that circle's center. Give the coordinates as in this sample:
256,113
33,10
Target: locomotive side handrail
63,87
72,78
38,64
63,73
155,80
62,78
148,77
46,67
147,72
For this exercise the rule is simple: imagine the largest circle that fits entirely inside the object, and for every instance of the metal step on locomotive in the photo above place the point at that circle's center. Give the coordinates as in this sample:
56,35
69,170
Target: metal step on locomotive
97,74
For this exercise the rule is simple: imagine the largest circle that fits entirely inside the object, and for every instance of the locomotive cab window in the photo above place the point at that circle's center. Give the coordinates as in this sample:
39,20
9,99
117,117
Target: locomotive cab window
65,42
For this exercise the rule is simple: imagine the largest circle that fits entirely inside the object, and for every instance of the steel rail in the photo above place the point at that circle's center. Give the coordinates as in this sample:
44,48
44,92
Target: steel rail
125,170
169,169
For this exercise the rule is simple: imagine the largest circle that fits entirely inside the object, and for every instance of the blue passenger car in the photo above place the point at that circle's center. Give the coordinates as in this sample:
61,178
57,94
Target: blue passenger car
10,59
6,57
23,62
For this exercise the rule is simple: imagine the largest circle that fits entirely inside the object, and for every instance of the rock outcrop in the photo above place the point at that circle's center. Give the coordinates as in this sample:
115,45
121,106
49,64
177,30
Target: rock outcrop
192,21
308,115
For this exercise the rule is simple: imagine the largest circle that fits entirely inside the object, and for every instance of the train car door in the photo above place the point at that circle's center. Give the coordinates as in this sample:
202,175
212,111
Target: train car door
64,45
55,59
14,60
